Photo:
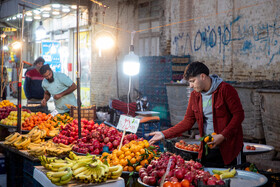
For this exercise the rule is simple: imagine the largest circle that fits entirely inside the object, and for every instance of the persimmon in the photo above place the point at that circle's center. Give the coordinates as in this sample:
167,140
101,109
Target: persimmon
185,183
167,184
176,184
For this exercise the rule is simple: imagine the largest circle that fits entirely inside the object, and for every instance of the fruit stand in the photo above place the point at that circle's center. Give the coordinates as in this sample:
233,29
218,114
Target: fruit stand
52,154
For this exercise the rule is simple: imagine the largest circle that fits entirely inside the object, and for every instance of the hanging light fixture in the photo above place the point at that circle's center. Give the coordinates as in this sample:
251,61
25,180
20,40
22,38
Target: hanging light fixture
104,40
131,64
40,32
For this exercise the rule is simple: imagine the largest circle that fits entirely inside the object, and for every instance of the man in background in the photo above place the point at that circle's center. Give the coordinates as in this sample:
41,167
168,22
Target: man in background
33,82
4,82
60,87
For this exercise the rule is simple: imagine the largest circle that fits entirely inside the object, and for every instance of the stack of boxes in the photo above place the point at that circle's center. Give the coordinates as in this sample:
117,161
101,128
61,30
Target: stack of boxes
154,73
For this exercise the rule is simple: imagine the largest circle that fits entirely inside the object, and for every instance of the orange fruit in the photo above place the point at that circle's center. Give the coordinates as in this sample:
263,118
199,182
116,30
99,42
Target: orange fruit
142,151
133,161
138,168
144,162
130,168
217,176
127,153
125,168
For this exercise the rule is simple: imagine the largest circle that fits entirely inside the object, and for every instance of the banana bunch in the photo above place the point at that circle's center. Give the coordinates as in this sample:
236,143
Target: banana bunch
37,135
60,177
73,156
11,139
58,149
53,132
36,151
115,172
23,143
46,160
92,172
224,174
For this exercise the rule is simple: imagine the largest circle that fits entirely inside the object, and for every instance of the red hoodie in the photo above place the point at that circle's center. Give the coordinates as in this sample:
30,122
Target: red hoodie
228,115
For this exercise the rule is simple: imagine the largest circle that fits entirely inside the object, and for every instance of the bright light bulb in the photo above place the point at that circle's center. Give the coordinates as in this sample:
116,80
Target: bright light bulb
131,65
16,45
65,9
29,13
48,8
5,48
74,6
28,19
46,15
56,5
55,13
104,42
37,17
40,32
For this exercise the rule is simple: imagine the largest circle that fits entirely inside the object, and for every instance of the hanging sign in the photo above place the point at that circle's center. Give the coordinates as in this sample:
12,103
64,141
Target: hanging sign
50,52
128,124
8,29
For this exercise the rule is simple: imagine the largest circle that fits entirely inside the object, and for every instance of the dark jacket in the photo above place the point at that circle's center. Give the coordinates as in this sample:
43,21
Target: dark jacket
33,85
228,115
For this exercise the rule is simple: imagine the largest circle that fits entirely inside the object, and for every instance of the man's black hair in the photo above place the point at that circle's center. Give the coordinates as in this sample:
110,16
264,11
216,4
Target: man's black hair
194,69
44,69
39,59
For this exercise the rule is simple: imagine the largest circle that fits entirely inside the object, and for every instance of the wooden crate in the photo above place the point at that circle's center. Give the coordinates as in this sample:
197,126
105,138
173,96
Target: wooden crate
88,113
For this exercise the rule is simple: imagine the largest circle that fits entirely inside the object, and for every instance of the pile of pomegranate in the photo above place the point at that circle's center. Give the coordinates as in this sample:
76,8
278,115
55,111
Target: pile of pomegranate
179,171
94,137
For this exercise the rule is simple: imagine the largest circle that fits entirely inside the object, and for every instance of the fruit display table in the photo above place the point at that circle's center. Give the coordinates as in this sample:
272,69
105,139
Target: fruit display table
19,166
40,176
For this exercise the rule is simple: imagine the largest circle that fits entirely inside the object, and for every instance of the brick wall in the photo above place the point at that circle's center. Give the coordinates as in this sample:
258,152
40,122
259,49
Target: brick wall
107,70
239,40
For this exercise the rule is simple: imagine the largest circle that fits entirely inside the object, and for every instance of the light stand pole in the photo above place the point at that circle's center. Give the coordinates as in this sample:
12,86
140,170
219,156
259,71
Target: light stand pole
78,74
2,66
20,77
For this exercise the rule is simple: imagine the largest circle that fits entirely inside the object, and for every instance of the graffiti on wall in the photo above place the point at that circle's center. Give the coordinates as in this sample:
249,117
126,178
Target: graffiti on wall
260,40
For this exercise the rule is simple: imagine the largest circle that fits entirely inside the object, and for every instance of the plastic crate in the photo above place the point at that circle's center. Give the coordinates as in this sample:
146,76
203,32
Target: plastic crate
147,127
27,180
28,166
88,113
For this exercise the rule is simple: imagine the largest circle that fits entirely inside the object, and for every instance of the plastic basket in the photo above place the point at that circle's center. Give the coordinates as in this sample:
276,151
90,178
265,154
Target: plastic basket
88,113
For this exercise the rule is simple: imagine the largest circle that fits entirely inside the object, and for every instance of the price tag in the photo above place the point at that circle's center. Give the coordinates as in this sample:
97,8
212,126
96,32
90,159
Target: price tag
54,113
128,124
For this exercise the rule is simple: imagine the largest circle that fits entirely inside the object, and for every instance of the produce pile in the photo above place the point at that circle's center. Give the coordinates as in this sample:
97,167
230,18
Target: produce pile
180,172
7,103
47,122
133,155
189,147
94,137
11,119
87,169
5,111
19,141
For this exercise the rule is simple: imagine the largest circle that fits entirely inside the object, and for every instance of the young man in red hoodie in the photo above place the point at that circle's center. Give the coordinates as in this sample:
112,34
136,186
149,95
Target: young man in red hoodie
216,107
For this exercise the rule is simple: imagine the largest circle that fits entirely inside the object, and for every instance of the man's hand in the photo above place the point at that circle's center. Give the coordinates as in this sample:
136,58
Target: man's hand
44,102
156,137
218,139
57,96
